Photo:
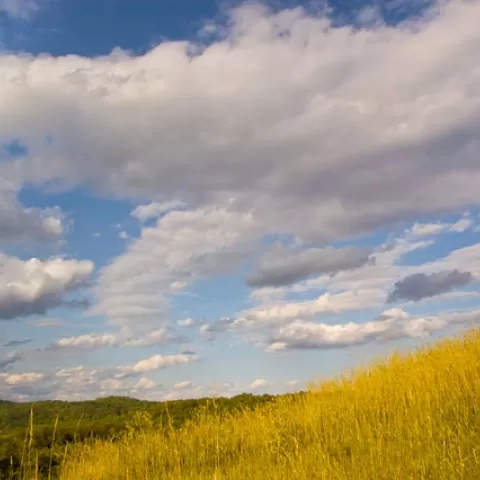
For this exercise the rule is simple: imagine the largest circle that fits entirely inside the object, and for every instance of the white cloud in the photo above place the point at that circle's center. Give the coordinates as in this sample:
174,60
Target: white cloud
262,385
390,325
462,225
183,385
177,286
363,290
258,383
84,383
213,128
88,341
35,286
186,322
182,246
206,128
419,230
272,314
155,209
159,336
155,362
364,128
144,383
187,392
75,372
427,229
26,225
23,378
123,338
390,267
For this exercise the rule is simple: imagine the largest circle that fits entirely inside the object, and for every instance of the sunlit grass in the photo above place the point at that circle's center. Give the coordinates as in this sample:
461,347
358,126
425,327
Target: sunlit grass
414,417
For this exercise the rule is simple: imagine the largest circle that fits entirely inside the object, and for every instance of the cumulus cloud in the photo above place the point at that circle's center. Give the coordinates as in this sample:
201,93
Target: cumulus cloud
273,314
35,286
26,225
390,325
82,382
325,304
354,137
358,290
202,127
390,263
283,266
420,285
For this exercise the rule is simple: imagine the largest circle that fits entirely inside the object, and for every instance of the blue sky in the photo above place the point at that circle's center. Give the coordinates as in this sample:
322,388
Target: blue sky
225,197
91,28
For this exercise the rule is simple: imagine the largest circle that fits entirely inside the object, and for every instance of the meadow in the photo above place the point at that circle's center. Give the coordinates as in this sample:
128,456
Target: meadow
409,417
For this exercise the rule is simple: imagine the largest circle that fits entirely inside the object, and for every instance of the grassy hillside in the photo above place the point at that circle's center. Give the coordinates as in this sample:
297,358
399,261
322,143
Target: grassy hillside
411,418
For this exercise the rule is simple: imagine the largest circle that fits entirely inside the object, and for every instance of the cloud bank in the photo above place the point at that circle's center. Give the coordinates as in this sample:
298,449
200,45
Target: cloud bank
257,155
35,286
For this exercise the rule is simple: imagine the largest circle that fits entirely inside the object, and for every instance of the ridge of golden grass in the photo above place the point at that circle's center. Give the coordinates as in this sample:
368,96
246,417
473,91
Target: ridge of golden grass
414,417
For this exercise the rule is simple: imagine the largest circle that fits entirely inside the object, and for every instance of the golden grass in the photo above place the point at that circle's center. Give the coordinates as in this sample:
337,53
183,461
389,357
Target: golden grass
414,417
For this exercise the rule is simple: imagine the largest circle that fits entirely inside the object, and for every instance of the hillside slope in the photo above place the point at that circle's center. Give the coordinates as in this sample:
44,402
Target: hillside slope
414,417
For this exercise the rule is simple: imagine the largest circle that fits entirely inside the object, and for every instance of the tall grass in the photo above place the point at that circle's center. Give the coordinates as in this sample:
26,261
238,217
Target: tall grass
414,417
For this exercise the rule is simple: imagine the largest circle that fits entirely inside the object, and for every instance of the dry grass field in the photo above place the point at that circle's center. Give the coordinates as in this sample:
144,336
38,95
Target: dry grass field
410,418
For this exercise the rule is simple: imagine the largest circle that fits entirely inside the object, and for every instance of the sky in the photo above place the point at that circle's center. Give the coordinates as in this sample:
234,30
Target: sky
210,198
